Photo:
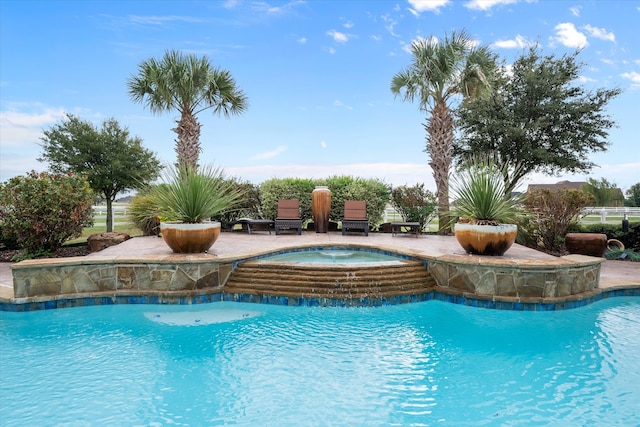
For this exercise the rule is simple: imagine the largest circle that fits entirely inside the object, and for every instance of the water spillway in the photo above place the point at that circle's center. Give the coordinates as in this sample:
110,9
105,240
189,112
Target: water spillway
373,280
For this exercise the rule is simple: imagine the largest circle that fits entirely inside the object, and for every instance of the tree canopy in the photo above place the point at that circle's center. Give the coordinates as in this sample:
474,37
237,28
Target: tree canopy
111,160
604,193
188,84
538,118
633,195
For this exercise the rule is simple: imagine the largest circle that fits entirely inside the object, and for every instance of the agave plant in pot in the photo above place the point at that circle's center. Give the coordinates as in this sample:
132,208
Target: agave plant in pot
186,201
486,215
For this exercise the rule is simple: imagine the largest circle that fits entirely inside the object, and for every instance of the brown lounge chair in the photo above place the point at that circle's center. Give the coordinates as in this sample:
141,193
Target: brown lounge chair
355,216
288,216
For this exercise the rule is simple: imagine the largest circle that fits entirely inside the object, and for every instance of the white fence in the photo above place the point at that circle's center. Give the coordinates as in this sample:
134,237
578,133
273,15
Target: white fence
120,214
617,213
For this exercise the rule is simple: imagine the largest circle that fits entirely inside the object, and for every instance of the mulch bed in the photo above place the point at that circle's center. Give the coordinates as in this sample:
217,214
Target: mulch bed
66,251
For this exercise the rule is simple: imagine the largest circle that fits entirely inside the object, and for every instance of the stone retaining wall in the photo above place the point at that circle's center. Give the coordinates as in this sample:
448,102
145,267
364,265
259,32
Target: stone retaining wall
528,280
78,277
522,280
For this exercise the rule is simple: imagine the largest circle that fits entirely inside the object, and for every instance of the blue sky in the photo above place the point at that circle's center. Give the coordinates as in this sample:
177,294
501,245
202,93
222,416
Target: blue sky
317,74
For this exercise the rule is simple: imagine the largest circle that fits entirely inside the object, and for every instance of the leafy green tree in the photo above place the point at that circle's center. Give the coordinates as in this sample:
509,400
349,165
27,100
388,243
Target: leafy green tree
188,84
633,195
538,118
41,211
604,193
440,72
112,161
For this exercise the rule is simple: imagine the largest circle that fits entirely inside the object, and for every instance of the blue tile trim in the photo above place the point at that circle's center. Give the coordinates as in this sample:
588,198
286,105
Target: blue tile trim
312,302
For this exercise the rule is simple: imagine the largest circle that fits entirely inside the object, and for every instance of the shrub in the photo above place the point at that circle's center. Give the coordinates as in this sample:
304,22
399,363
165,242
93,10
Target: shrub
275,189
7,242
374,192
414,204
627,255
41,211
248,206
144,213
553,212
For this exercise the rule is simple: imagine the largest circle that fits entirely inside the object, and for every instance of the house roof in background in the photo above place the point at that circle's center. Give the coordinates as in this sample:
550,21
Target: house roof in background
561,185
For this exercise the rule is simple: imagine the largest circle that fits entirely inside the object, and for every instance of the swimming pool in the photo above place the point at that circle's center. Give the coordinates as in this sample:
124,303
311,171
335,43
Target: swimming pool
430,363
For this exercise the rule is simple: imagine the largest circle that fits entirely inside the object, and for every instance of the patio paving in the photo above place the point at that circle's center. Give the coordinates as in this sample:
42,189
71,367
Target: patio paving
238,245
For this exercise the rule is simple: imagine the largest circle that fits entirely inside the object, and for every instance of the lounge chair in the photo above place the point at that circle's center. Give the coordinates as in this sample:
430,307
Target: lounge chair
251,224
288,216
355,216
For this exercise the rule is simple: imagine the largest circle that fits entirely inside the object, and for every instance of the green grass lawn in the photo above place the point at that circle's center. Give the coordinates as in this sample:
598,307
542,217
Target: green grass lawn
122,228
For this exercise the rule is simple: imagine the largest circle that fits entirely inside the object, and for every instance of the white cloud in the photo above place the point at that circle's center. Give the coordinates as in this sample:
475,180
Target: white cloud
634,77
230,4
330,50
275,10
575,11
20,134
270,154
569,36
337,36
348,24
585,79
418,6
390,23
323,144
486,4
19,128
338,103
159,20
600,33
518,42
302,40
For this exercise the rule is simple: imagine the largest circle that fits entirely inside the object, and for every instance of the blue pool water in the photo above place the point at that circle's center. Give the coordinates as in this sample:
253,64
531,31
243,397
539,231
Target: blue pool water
422,364
331,256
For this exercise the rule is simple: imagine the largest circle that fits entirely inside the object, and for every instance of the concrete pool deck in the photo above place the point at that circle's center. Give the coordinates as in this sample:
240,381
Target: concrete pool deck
240,245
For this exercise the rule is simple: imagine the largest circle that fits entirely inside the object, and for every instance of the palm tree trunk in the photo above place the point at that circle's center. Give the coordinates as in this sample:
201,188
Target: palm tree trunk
188,142
440,127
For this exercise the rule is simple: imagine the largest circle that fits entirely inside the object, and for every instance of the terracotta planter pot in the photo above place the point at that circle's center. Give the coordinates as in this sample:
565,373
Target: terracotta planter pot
190,238
492,240
592,244
321,207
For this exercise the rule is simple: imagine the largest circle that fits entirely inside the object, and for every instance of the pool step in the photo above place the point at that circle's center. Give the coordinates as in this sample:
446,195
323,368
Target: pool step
355,281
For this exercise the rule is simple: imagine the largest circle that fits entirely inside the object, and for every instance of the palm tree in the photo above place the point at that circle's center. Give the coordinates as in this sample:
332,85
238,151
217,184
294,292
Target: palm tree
189,84
440,73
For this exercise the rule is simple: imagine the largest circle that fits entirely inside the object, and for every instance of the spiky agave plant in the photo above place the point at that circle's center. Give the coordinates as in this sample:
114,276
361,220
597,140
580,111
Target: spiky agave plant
481,194
194,195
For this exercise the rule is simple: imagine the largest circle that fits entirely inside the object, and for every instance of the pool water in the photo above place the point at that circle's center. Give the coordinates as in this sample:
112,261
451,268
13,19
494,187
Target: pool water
423,364
331,256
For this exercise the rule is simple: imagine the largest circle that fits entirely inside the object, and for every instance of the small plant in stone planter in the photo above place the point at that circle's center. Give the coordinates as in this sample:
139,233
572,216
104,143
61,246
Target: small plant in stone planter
485,213
186,201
